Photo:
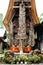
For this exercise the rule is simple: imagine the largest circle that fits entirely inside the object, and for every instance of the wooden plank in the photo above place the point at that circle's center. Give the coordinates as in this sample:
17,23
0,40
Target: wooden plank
22,0
19,6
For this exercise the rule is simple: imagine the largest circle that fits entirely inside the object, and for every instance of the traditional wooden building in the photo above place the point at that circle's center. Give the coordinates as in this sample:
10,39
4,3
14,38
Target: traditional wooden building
22,22
30,12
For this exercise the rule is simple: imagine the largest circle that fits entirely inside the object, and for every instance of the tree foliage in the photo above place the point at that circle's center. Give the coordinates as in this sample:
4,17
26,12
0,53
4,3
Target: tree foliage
1,20
41,18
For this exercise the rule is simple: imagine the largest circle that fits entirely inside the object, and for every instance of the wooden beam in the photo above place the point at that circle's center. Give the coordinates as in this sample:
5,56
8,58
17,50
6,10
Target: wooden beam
22,0
19,6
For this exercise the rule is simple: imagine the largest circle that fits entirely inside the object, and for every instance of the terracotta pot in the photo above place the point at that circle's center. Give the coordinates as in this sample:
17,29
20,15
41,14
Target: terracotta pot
27,49
14,49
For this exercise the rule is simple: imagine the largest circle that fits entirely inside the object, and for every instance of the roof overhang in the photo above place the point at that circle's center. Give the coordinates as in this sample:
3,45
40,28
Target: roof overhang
9,12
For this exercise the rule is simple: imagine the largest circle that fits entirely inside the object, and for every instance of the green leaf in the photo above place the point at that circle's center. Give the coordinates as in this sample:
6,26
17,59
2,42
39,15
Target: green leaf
42,14
1,17
1,21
